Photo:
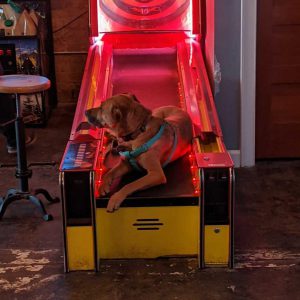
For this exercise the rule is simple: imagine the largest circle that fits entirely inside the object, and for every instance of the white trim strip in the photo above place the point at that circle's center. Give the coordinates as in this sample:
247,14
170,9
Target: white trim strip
248,77
236,157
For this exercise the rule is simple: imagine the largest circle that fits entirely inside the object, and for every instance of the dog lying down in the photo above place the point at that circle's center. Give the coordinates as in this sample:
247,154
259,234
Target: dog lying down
151,140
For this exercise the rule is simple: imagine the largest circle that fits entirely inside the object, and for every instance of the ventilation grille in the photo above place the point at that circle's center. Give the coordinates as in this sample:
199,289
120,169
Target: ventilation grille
147,224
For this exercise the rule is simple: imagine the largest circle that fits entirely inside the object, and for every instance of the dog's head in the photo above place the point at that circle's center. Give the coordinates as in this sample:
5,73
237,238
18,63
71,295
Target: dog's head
121,115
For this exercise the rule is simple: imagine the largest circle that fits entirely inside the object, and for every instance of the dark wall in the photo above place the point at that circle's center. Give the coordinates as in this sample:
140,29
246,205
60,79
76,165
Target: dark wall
71,40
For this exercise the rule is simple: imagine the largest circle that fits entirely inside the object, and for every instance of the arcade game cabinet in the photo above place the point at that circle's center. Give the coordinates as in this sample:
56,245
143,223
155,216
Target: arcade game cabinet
151,49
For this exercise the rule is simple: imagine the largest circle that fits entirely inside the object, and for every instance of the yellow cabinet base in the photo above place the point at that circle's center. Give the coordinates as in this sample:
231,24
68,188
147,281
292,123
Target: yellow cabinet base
216,241
148,232
80,248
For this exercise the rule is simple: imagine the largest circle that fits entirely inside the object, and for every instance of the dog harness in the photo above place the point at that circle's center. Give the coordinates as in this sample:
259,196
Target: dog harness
131,155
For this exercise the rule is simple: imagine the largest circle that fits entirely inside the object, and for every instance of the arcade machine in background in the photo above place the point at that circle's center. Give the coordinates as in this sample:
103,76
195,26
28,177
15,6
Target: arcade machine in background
26,48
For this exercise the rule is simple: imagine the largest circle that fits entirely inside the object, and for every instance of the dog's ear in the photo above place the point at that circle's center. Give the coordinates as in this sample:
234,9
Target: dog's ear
134,98
92,116
131,96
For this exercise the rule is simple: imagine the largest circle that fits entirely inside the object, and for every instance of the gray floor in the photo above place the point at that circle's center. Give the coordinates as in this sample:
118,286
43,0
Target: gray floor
267,239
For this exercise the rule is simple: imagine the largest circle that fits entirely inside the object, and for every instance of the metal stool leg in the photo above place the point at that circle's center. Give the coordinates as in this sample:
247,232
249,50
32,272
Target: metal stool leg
13,195
46,194
4,202
10,192
40,205
23,173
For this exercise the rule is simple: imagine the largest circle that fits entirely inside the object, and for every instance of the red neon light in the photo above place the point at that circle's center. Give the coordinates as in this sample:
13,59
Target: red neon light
196,16
93,22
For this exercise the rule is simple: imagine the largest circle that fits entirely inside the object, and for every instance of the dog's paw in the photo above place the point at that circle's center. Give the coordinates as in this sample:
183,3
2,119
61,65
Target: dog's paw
106,183
115,201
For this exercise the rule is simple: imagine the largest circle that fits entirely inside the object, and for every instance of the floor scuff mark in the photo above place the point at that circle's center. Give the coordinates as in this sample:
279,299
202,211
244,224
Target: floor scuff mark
30,264
20,284
266,258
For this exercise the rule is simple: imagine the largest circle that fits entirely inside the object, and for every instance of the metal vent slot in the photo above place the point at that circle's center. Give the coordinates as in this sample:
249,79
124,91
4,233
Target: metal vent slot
147,224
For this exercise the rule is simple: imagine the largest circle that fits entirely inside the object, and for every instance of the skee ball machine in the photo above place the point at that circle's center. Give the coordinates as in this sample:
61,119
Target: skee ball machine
153,49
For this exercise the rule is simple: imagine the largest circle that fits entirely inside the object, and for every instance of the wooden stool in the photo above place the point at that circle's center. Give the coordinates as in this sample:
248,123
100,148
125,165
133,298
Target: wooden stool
23,84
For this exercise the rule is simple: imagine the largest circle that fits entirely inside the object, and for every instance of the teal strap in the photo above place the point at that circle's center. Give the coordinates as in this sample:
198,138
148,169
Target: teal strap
173,148
131,155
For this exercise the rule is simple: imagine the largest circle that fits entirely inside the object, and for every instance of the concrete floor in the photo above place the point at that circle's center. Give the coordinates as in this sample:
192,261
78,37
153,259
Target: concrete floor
267,239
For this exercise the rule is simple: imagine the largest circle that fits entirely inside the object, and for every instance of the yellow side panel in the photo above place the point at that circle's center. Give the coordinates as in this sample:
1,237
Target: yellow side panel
216,244
148,232
80,248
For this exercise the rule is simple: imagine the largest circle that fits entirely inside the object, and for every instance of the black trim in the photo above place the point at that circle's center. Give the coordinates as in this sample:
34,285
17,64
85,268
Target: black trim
62,188
216,223
201,254
152,202
93,211
232,203
78,222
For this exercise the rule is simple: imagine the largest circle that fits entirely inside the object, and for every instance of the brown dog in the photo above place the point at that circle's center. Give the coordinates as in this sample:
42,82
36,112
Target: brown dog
169,128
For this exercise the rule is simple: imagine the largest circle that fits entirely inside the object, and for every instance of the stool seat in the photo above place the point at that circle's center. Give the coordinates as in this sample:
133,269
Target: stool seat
23,84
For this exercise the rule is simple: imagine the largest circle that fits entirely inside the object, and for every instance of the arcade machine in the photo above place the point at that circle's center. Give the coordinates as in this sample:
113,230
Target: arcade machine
151,48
